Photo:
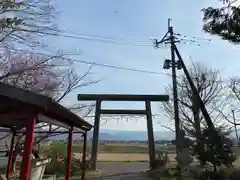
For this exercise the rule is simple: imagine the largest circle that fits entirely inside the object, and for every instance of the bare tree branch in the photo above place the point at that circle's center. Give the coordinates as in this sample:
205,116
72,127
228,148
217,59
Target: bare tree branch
26,22
43,75
209,87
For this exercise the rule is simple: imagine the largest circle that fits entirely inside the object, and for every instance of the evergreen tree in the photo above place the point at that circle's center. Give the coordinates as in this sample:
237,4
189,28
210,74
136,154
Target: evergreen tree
223,21
217,152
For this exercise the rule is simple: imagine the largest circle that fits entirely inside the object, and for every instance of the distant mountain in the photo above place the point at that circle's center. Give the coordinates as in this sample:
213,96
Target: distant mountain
118,135
134,135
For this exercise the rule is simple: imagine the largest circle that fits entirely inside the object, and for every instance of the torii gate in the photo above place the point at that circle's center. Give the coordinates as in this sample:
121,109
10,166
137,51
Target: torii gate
99,98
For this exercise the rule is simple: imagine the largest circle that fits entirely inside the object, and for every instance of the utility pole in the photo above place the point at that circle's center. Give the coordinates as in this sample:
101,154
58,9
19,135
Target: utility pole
174,82
172,63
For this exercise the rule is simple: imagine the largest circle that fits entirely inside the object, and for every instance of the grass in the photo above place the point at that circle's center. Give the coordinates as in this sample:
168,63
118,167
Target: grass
162,174
140,148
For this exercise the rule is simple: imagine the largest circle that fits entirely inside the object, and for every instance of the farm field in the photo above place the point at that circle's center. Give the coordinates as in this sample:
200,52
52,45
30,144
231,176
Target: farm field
116,158
118,151
124,157
126,148
128,152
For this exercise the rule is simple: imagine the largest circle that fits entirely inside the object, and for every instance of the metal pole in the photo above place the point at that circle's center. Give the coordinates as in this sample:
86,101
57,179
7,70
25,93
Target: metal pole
95,135
69,154
194,89
10,157
84,156
174,83
28,145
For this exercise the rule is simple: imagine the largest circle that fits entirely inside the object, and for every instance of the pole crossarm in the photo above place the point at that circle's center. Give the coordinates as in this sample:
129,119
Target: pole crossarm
121,97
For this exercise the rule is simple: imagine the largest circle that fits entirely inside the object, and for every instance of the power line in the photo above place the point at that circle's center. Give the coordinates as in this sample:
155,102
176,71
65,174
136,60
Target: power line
119,67
181,39
109,41
108,65
193,40
134,39
97,64
92,37
194,37
128,39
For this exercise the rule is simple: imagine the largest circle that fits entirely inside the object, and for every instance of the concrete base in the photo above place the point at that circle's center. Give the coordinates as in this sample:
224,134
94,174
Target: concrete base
49,177
38,168
3,163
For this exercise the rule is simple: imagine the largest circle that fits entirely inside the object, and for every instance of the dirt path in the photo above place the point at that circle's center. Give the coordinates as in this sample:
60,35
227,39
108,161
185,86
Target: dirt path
122,167
128,176
124,171
119,156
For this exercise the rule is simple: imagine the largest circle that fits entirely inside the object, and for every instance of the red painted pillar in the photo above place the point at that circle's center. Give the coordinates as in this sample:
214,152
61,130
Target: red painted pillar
28,145
84,156
10,156
69,154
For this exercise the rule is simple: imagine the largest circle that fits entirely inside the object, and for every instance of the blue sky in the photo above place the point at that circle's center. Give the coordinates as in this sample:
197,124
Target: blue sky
138,21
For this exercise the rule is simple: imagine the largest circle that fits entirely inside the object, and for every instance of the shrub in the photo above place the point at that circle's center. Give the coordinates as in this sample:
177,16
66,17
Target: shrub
55,167
76,165
217,152
57,152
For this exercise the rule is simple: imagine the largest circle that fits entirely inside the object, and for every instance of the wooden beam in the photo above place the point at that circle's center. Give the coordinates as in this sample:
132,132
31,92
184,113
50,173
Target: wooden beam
15,119
43,118
40,104
121,97
51,132
151,145
95,135
123,111
12,115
